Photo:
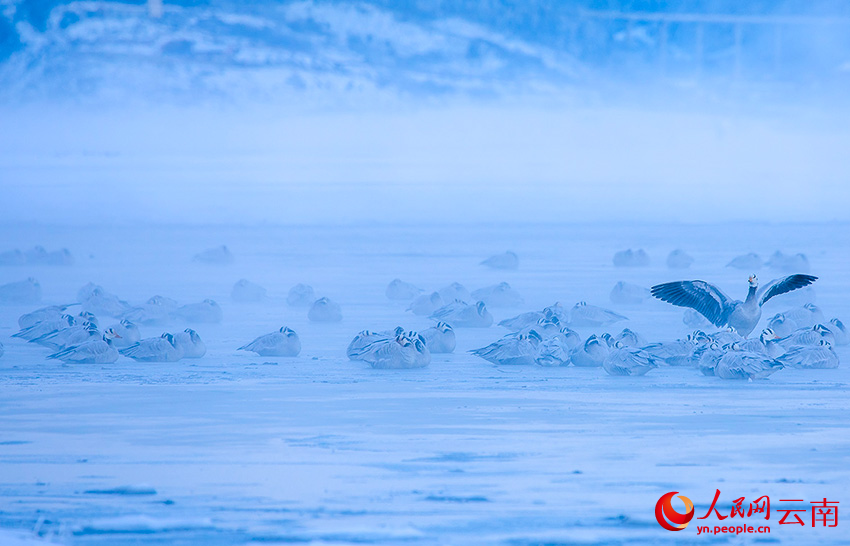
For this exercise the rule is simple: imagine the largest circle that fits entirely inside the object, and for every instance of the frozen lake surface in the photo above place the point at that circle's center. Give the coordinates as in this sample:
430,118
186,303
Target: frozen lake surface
238,449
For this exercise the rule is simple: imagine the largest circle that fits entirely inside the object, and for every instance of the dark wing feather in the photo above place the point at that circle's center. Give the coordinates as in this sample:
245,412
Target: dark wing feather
781,286
705,298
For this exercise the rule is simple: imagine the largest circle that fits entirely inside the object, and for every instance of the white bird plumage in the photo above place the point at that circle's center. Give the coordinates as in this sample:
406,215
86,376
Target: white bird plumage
454,291
719,308
584,315
679,352
155,349
363,343
425,304
816,357
805,316
498,295
191,343
630,338
245,291
101,302
284,342
839,331
623,360
325,310
708,356
512,349
592,353
440,338
781,324
631,258
157,310
93,351
206,312
52,312
807,336
463,315
747,262
554,351
45,327
505,260
219,255
405,351
68,337
301,295
788,262
679,259
626,293
128,334
21,292
746,365
400,290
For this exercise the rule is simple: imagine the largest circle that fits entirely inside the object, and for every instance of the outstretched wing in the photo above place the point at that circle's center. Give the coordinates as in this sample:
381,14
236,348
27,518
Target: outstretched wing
787,284
705,298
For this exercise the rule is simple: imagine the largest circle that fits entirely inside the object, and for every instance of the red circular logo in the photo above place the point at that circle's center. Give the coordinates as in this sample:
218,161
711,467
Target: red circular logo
668,517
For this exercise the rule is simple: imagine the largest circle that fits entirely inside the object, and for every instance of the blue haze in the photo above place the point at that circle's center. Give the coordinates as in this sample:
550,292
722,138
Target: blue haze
257,108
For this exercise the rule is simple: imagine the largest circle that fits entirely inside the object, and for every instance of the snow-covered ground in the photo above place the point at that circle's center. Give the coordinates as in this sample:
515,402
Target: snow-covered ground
235,448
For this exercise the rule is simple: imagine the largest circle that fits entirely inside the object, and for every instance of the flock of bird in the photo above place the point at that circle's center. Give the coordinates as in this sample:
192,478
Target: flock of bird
77,338
546,338
542,338
798,338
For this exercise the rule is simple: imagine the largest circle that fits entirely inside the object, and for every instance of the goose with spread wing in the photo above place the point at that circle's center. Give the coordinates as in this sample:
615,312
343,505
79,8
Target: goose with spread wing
719,308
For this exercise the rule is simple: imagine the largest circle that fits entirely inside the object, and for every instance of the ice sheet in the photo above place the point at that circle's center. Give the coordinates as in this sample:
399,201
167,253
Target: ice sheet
235,448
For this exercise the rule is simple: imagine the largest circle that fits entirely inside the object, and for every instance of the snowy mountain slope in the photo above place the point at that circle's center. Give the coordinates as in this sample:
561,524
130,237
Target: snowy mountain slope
381,49
104,47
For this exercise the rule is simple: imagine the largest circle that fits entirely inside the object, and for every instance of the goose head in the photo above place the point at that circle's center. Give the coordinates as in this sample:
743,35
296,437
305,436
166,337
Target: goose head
443,327
767,335
109,335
